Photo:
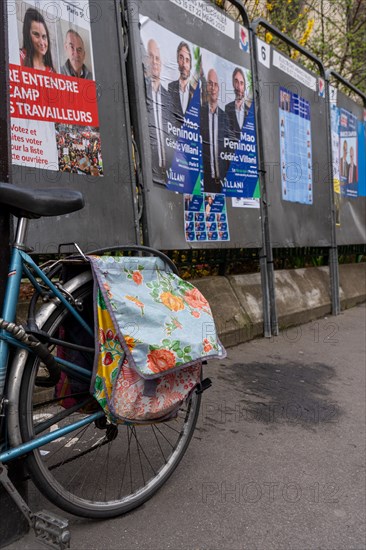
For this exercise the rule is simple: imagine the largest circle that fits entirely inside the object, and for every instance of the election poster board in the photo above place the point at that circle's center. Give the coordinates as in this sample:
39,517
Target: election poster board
196,121
348,126
63,131
295,152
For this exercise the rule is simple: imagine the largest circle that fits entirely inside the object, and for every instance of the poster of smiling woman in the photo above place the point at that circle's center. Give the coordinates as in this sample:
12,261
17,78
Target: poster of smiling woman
53,100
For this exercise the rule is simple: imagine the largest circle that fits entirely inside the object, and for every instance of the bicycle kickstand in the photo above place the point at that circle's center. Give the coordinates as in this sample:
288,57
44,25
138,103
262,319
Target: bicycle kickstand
50,529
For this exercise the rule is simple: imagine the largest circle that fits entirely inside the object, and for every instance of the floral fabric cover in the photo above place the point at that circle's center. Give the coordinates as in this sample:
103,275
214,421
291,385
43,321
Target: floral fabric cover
120,390
162,322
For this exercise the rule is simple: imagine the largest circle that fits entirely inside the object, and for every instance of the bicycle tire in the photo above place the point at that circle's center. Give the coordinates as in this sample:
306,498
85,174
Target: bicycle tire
127,463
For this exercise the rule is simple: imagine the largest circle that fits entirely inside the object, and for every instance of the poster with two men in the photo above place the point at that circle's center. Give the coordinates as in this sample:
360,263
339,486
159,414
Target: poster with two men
200,117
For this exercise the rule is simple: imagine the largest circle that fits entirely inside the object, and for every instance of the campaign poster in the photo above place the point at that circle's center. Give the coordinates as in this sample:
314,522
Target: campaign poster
200,117
205,217
295,148
229,145
348,153
362,158
171,70
334,114
53,98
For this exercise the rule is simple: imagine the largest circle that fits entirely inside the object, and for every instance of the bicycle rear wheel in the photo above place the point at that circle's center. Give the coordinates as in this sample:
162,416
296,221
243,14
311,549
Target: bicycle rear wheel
101,470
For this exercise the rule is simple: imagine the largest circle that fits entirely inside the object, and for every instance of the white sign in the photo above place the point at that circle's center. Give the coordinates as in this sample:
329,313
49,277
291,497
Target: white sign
238,202
264,53
209,14
332,95
290,68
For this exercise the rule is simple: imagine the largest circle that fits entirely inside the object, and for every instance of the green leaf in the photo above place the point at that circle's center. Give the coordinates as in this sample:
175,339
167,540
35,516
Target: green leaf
101,302
187,349
166,342
152,348
98,384
140,267
185,286
179,354
114,374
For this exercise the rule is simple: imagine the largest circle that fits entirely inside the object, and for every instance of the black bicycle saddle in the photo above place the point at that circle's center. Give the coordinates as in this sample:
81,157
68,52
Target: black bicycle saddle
33,203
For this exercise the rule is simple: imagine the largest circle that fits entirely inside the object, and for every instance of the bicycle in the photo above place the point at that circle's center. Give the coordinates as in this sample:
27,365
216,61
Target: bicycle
79,460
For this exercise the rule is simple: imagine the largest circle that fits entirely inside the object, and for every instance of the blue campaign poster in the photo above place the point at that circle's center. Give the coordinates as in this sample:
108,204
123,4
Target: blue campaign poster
229,143
362,159
295,148
200,115
185,141
205,218
242,176
348,154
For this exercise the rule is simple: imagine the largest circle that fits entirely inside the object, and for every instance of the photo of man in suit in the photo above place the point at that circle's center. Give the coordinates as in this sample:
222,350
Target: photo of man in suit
214,128
352,167
181,91
237,110
343,164
75,51
158,108
285,101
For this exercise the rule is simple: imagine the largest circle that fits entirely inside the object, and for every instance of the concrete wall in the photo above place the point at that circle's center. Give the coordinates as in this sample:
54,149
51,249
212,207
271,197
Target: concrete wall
301,296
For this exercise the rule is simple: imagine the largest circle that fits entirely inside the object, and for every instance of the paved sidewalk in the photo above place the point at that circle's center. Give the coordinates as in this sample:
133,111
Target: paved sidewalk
277,460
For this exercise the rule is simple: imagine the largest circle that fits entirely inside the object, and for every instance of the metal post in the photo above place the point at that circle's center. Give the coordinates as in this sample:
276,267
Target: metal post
333,252
271,314
5,164
268,303
333,256
13,524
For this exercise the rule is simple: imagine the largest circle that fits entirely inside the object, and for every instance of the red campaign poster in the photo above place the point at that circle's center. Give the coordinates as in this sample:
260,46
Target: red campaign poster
53,97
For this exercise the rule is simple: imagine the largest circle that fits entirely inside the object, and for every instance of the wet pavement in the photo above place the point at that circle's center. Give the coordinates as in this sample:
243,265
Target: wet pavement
277,460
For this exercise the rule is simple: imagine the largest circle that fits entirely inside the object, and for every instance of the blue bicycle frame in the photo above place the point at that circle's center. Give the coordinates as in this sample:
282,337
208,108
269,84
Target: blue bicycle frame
22,264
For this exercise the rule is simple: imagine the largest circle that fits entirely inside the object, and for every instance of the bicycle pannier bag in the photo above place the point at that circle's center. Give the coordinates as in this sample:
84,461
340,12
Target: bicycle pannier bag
154,331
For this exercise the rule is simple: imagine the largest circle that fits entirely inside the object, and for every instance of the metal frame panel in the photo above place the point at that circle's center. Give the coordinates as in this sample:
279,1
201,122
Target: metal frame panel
164,210
110,216
351,218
